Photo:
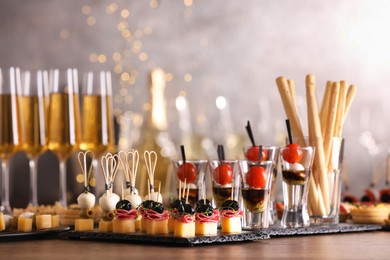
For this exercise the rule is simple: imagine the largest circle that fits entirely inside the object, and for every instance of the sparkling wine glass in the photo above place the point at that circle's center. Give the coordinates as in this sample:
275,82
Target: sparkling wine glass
34,112
10,129
64,121
97,126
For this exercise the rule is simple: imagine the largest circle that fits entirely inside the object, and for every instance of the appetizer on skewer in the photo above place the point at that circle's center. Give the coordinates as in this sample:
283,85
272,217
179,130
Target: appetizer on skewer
185,219
206,217
86,199
108,201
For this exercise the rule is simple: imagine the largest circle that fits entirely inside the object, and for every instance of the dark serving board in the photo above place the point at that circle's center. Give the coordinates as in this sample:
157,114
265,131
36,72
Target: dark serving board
166,239
320,229
35,234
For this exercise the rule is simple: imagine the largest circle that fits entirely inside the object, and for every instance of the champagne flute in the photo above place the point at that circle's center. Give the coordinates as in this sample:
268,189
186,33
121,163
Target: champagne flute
64,121
96,116
10,130
34,112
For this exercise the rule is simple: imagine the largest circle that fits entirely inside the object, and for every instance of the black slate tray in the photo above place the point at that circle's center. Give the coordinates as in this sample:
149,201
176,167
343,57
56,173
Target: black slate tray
35,234
320,229
166,239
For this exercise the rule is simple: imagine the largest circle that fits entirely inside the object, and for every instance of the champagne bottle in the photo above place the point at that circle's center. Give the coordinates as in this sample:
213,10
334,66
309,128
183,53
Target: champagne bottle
154,137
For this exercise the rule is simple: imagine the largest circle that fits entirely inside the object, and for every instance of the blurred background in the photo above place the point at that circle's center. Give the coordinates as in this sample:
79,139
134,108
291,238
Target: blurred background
221,59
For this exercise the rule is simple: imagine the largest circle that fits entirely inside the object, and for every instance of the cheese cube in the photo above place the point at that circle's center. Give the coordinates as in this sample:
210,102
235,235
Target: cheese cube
2,222
123,225
105,226
231,225
55,221
184,229
25,224
171,225
138,222
14,222
43,221
83,224
143,224
157,227
204,229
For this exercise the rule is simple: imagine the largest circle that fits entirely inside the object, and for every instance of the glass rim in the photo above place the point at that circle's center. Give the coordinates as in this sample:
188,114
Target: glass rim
263,146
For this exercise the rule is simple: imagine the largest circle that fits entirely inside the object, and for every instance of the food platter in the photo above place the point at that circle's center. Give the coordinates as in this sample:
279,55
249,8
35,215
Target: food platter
143,238
44,233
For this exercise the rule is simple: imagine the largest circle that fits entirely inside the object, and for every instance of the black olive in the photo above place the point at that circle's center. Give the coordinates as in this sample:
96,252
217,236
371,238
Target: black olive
385,197
365,198
186,208
230,204
177,203
158,207
205,209
203,202
123,204
148,204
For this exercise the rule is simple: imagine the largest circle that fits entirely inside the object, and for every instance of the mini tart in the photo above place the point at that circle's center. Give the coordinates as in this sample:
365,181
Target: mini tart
231,221
206,225
124,221
155,223
184,225
370,214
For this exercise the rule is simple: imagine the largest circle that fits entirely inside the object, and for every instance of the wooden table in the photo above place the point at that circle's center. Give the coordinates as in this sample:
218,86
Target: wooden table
362,245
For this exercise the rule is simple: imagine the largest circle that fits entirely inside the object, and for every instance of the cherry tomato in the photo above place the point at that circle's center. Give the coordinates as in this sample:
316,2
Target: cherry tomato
252,154
223,174
256,177
292,153
187,172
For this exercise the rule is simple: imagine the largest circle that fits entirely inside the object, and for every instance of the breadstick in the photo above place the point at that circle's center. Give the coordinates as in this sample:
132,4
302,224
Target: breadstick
316,138
328,135
348,102
325,106
340,109
285,94
291,86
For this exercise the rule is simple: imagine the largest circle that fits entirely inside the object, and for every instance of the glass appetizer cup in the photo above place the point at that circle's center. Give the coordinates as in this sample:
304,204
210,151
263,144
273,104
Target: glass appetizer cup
270,153
225,179
256,186
192,174
296,164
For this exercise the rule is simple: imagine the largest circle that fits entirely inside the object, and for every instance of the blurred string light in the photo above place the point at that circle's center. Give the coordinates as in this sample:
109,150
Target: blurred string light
132,39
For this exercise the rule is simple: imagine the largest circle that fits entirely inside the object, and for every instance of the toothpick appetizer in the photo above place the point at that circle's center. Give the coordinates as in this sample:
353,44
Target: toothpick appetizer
150,158
86,200
185,219
231,216
174,208
206,217
108,201
130,161
154,216
125,216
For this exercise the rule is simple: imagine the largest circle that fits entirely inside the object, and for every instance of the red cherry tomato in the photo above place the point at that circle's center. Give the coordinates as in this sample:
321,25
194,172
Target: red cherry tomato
252,154
292,153
256,177
187,172
223,174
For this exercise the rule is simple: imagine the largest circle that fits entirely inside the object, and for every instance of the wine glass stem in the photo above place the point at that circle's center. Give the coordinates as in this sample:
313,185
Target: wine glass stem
33,200
63,183
5,206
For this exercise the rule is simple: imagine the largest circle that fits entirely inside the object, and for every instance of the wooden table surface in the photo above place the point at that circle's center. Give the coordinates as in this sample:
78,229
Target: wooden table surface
363,245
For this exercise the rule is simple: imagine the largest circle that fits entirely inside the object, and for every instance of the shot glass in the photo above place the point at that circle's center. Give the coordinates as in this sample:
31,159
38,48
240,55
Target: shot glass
225,179
270,153
191,173
256,185
296,164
